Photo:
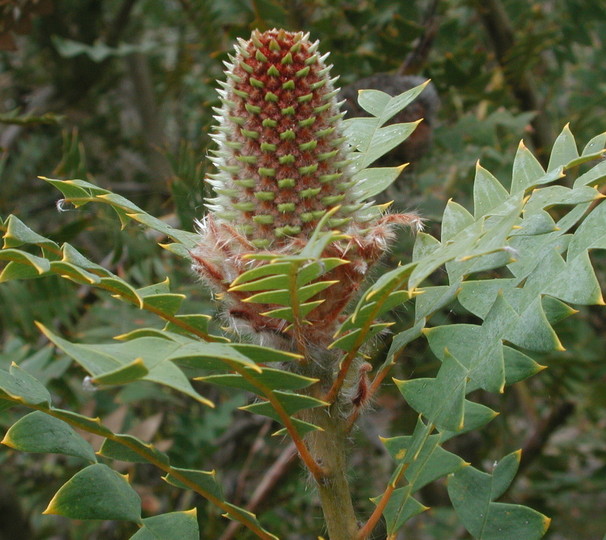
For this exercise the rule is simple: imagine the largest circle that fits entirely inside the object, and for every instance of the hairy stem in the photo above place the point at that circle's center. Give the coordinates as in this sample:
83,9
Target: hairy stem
329,448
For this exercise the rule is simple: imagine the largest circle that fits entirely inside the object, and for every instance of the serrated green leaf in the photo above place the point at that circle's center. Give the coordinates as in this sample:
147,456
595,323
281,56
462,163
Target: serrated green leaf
373,101
383,140
464,243
268,269
125,374
181,525
425,245
40,264
549,196
532,331
575,282
512,522
503,474
400,508
40,432
121,289
429,463
177,249
18,234
372,181
185,238
475,416
78,192
93,425
537,223
205,480
72,256
532,250
518,366
162,287
432,299
167,304
302,427
584,159
264,355
591,234
455,219
96,492
19,385
145,332
17,271
399,102
488,192
556,310
197,322
595,145
594,176
269,283
476,348
440,400
471,491
74,273
564,150
284,297
402,339
288,314
383,105
118,201
291,402
356,337
123,447
359,131
315,269
366,312
235,512
526,170
156,354
386,284
275,379
320,239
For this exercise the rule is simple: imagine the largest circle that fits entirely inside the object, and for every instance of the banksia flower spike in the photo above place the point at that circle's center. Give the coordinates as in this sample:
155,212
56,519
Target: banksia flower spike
282,163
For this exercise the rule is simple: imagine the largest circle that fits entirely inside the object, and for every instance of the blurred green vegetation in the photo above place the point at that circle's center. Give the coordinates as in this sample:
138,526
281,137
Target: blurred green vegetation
121,91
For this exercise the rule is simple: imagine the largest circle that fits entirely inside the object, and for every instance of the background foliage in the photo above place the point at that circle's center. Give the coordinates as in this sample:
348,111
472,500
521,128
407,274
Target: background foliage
121,91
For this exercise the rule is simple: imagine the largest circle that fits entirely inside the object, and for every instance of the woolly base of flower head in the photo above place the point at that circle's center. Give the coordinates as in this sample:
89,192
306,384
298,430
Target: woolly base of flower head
221,256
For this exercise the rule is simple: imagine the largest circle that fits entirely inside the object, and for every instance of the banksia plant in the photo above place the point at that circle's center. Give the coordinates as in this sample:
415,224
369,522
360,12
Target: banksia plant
287,184
286,243
284,169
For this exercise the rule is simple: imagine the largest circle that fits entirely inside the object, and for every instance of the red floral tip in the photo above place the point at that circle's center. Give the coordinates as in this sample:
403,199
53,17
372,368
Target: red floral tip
282,157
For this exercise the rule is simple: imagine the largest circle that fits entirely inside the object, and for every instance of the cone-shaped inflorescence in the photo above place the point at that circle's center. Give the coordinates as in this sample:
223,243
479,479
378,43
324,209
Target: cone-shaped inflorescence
283,163
282,157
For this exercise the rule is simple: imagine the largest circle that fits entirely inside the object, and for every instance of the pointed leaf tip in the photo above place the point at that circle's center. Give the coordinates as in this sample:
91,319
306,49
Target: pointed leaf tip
96,492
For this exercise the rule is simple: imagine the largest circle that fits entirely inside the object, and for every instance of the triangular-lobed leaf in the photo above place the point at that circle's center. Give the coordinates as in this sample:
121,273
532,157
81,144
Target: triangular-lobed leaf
97,492
276,379
124,447
400,508
18,385
40,432
472,493
440,400
564,150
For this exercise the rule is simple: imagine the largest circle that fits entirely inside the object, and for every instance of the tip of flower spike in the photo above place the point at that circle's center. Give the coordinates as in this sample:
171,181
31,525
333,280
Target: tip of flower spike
280,182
